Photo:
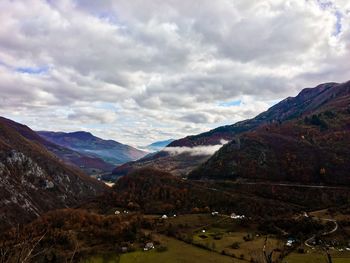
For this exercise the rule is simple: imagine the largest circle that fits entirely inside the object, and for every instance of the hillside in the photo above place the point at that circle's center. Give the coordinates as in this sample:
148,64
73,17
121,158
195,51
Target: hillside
308,100
33,180
153,191
89,164
156,192
311,146
112,152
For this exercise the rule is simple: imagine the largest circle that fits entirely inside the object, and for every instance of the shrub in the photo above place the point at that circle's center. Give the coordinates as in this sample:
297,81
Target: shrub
235,245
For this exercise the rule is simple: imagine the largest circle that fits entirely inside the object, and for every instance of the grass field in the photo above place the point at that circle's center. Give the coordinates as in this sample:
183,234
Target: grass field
178,252
220,240
109,258
193,220
317,256
221,234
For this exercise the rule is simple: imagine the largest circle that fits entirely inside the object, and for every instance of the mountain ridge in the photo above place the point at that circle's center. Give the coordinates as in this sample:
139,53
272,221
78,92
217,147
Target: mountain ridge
308,148
33,180
292,107
110,151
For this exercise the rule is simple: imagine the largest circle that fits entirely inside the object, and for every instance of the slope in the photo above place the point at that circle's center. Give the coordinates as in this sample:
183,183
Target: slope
311,147
293,107
33,180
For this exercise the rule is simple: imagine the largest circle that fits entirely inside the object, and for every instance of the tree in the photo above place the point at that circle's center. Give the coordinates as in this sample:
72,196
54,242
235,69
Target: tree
22,248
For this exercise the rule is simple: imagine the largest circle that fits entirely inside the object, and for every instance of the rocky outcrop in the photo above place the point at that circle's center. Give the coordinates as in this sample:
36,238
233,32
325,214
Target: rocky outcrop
33,181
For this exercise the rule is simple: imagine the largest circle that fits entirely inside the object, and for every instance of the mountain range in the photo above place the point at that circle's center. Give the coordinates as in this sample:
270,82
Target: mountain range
306,141
303,116
111,152
268,170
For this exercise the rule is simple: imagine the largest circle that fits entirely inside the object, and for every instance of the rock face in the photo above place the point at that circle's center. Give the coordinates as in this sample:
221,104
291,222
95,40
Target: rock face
311,144
309,100
33,180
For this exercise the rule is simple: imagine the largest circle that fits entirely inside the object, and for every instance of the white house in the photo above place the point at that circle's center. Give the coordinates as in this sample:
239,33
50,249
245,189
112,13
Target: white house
148,246
164,217
234,216
117,212
214,213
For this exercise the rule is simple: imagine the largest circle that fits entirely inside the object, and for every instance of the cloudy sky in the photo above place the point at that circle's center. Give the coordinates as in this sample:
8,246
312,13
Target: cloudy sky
139,71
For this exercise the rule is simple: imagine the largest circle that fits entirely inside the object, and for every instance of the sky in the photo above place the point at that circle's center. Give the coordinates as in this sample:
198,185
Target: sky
141,71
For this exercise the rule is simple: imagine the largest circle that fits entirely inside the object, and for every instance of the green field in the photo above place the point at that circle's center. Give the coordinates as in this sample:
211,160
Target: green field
316,257
224,240
178,252
219,240
108,258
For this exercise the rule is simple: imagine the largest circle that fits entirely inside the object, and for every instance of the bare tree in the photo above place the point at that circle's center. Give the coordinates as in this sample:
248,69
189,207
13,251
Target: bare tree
22,248
267,254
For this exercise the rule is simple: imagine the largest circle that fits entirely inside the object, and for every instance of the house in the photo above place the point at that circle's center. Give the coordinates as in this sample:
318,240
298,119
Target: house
164,217
49,184
203,231
117,212
214,213
124,249
290,242
148,246
234,216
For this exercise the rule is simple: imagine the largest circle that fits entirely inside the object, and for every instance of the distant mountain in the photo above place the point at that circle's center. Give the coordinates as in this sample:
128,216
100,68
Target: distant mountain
307,141
85,143
308,100
33,180
157,146
89,164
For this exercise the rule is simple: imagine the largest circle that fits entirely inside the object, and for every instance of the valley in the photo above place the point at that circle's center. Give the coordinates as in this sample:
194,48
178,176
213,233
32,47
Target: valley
276,191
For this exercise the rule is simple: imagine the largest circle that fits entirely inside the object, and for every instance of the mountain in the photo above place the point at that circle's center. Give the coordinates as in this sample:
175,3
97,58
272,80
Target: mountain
33,180
310,145
181,164
89,164
157,146
85,143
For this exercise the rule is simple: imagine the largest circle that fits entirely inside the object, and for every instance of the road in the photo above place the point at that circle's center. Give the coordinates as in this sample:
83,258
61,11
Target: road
307,242
277,184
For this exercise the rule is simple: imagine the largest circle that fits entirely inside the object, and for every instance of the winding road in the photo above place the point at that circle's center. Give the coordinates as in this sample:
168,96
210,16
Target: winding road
307,242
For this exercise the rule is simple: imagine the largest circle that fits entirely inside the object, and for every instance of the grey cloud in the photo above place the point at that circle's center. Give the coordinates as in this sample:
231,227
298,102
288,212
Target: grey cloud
167,64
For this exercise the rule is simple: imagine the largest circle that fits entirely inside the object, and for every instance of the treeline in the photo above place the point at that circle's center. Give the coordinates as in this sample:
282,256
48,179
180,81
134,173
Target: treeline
156,192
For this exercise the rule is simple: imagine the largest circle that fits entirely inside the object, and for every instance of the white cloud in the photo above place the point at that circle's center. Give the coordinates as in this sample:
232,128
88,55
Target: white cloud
163,67
195,151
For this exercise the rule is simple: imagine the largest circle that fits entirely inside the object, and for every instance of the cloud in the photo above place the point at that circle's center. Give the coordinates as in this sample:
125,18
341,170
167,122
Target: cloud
165,68
195,151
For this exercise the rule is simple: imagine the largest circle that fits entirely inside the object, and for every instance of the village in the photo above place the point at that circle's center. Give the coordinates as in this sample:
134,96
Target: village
234,236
